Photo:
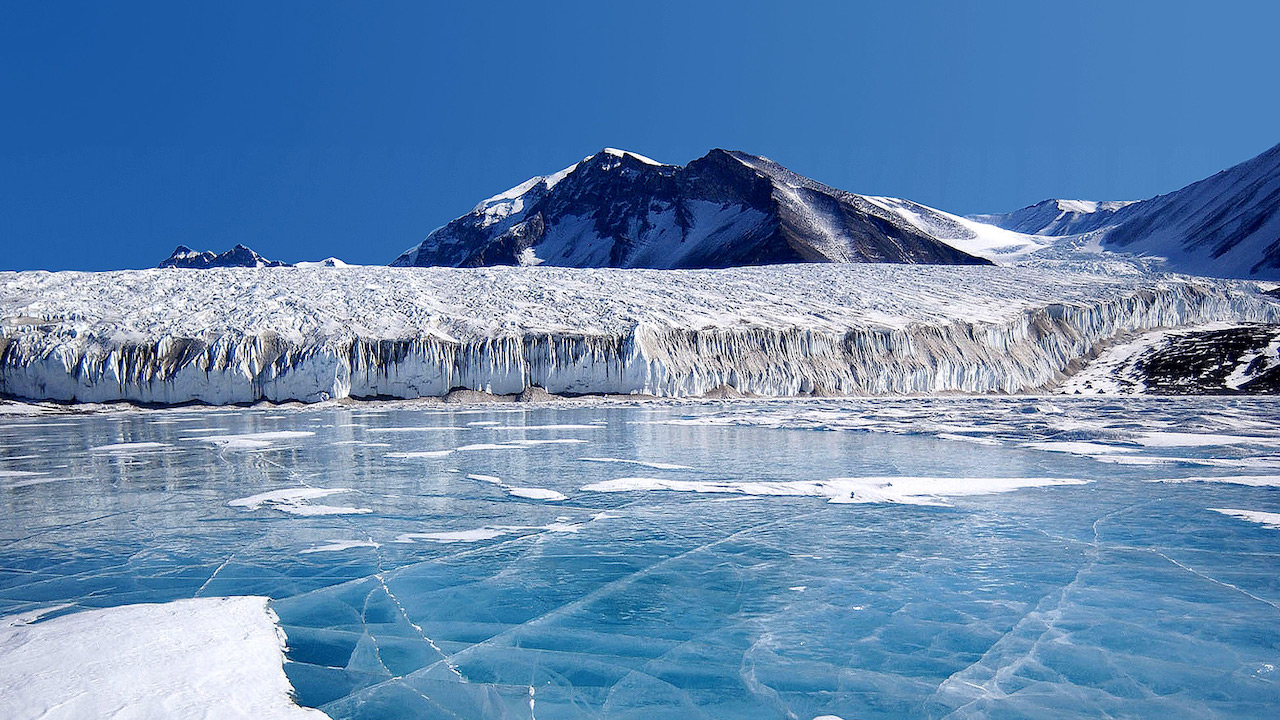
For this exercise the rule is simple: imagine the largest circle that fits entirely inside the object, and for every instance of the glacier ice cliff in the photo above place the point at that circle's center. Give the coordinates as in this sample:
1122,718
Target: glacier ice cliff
243,335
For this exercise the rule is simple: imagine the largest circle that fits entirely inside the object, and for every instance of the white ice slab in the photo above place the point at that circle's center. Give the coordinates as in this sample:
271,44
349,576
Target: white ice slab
340,545
904,490
643,463
1184,439
530,493
420,454
1265,519
1079,448
1251,480
296,501
252,441
203,658
129,447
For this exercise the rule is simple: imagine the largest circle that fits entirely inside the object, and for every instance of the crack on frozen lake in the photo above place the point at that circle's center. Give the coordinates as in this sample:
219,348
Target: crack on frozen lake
630,578
1216,581
1041,621
214,575
759,689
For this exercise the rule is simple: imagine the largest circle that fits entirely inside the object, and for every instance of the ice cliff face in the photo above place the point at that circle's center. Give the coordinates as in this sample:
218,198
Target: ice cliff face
1227,225
238,256
243,335
726,209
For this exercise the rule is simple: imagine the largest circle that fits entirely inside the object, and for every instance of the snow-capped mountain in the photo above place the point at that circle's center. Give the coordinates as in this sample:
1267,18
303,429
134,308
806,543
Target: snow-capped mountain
238,256
1227,225
1057,217
726,209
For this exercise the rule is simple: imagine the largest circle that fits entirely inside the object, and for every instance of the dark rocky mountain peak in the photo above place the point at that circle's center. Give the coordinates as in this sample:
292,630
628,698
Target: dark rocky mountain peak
725,209
238,256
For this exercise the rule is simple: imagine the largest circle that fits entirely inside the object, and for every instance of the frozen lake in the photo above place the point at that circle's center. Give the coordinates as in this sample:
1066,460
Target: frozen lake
791,559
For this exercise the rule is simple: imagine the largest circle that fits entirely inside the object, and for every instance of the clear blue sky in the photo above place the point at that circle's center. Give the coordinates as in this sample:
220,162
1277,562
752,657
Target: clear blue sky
308,129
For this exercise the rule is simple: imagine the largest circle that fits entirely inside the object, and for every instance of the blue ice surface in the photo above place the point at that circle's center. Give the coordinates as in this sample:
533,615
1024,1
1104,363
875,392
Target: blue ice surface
1121,597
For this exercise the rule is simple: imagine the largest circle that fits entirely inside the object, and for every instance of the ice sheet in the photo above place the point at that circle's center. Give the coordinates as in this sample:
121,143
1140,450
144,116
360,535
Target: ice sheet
1120,597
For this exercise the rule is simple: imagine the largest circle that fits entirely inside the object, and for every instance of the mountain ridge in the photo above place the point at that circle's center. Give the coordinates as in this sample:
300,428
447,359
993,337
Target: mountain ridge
238,256
728,208
1227,224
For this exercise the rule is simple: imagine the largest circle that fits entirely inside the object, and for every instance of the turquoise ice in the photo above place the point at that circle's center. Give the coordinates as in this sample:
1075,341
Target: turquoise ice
858,558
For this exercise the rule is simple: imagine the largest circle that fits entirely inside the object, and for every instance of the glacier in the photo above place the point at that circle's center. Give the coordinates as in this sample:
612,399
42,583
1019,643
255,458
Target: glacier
313,334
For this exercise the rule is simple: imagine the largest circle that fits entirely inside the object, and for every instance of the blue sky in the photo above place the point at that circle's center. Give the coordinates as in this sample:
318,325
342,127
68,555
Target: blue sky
308,129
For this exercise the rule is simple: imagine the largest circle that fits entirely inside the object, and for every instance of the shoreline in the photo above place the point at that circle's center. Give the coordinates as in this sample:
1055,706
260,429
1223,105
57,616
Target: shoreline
19,408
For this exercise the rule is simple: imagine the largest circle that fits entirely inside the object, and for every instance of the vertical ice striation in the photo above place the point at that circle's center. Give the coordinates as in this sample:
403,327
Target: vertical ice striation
792,330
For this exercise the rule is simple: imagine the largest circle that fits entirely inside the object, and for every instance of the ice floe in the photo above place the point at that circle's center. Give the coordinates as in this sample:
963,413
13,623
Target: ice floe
488,532
296,501
1265,519
1250,480
642,463
535,493
420,454
129,447
1185,439
340,545
903,490
253,441
1079,448
203,658
519,444
528,493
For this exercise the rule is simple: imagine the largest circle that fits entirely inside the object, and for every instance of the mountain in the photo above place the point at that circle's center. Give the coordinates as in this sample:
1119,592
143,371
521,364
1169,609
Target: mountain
726,209
238,256
1057,217
1227,225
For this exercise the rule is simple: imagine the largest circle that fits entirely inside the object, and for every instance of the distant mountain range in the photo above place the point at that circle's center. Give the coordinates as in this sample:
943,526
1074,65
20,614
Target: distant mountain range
238,256
727,209
1226,225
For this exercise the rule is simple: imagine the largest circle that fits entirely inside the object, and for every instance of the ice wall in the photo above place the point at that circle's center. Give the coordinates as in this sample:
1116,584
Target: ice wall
931,344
